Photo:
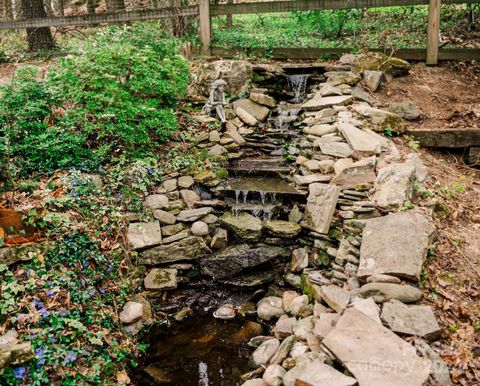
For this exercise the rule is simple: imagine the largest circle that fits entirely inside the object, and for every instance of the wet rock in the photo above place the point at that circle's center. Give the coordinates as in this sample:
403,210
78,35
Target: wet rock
263,99
439,373
336,149
396,245
335,297
299,260
225,312
246,118
343,77
187,249
381,119
183,314
235,259
164,217
258,111
156,201
262,355
199,228
171,230
406,110
283,350
310,179
372,79
325,324
321,203
191,215
415,320
159,376
131,312
320,103
394,185
383,292
316,373
283,327
245,226
269,308
368,307
220,239
237,74
373,354
161,278
284,229
144,235
273,375
185,182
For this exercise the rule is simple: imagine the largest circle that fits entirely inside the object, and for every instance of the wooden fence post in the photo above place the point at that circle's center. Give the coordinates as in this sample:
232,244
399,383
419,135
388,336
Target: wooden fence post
205,25
433,34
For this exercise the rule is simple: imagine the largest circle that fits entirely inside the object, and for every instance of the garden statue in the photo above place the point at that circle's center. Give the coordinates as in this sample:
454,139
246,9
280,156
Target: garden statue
216,99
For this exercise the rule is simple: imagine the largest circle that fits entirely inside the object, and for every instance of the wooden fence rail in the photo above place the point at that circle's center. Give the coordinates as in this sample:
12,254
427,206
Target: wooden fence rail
205,11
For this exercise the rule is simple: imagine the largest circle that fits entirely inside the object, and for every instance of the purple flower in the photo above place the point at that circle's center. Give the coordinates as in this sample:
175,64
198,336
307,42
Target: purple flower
19,372
50,293
37,303
43,312
101,290
39,355
101,169
151,171
91,292
71,356
53,339
30,272
85,264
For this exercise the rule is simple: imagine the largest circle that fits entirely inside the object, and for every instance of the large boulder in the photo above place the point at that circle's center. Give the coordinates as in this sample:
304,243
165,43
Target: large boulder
377,61
244,225
237,74
381,120
394,185
395,245
189,248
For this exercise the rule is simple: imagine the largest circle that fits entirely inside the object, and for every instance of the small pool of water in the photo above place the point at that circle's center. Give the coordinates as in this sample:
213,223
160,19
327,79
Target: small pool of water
202,351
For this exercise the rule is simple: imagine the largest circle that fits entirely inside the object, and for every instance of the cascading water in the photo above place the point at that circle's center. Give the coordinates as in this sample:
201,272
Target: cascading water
298,85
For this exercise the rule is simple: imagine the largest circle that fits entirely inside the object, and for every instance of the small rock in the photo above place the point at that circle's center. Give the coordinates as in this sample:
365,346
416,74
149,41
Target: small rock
185,182
273,375
383,292
283,327
169,185
335,297
131,312
225,312
372,79
298,305
156,201
302,328
143,235
199,228
219,239
299,260
161,278
262,355
316,373
282,351
192,215
298,349
368,307
325,324
217,150
270,307
382,278
164,217
254,382
287,298
284,229
406,110
246,117
214,136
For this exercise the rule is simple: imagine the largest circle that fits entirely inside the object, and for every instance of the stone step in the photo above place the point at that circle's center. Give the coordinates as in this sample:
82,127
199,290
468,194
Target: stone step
260,185
259,165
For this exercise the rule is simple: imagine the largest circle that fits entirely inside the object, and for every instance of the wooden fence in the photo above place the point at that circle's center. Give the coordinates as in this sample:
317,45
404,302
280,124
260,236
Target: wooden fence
205,11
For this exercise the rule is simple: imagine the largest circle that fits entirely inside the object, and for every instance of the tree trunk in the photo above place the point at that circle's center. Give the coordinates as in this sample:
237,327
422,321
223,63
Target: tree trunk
91,7
61,7
38,38
229,17
115,5
8,9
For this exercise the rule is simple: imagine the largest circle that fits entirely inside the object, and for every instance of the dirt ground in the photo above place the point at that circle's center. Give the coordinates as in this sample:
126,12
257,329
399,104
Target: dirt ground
449,96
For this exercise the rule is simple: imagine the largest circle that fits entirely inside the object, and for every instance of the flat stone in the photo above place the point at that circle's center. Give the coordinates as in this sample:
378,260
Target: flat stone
144,235
360,140
170,185
368,307
396,244
284,229
263,99
191,215
164,217
344,77
394,185
336,149
171,230
316,373
298,305
359,94
131,312
383,292
189,197
341,164
217,150
302,327
406,110
156,201
244,225
381,119
255,382
320,130
269,308
319,102
415,320
358,173
298,349
382,278
15,354
440,373
421,172
185,182
310,179
177,236
225,312
373,354
246,117
161,279
321,203
214,136
189,248
328,89
258,111
236,137
325,324
283,350
335,297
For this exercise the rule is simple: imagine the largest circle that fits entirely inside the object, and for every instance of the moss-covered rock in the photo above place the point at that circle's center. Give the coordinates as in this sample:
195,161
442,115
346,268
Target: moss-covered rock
377,61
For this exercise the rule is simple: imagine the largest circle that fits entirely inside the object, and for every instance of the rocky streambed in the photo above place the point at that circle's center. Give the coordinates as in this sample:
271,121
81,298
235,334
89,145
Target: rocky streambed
308,237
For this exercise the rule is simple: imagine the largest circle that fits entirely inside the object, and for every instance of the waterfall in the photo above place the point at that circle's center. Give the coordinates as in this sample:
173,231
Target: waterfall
298,85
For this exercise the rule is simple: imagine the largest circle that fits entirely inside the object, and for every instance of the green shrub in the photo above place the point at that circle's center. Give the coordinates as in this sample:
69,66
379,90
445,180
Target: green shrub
122,89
